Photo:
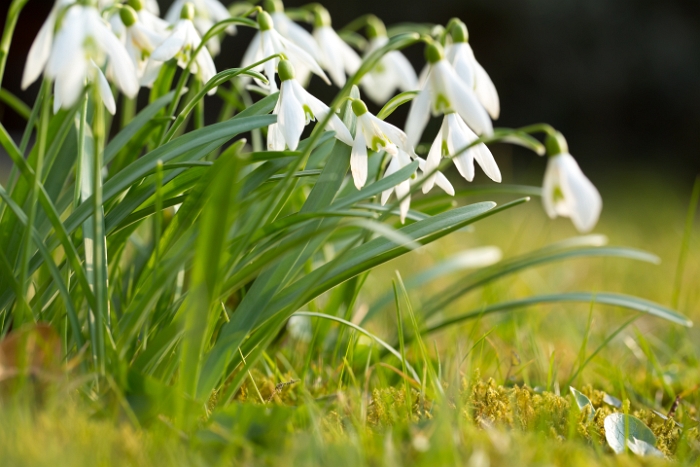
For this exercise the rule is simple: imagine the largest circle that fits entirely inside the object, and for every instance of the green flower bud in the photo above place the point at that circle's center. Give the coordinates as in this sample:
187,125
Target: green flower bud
359,107
556,144
375,28
274,6
285,70
434,52
135,4
187,11
321,17
127,15
264,21
458,31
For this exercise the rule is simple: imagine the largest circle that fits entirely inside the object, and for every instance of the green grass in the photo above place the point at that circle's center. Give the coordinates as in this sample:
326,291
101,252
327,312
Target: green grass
499,374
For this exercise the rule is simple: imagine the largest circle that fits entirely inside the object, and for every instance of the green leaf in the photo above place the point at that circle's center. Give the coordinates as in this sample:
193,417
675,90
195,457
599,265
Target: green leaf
583,401
603,298
396,102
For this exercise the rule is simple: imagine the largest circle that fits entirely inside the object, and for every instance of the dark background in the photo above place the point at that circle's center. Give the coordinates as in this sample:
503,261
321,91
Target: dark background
621,79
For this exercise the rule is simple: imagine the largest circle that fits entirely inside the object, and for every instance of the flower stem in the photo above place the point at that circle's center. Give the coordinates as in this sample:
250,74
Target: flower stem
10,23
99,244
23,310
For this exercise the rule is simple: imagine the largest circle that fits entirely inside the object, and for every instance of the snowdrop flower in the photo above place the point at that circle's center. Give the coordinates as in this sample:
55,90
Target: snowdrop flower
337,57
139,40
81,47
376,135
41,47
444,92
398,162
206,14
295,109
460,54
269,42
392,72
566,191
291,30
454,136
181,43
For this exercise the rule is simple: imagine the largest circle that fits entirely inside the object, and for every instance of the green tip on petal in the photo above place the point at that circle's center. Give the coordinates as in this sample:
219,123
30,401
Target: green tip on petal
321,16
285,70
359,107
128,15
375,28
434,52
265,21
187,11
274,6
135,4
556,144
458,31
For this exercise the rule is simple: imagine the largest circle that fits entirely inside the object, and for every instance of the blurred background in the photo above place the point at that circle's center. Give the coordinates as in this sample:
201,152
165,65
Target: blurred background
620,79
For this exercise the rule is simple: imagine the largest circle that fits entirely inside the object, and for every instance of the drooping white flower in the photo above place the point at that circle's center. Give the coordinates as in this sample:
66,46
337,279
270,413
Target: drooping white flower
460,54
566,191
83,44
392,72
41,47
181,43
454,136
206,14
376,135
398,162
295,109
444,92
140,41
337,57
267,42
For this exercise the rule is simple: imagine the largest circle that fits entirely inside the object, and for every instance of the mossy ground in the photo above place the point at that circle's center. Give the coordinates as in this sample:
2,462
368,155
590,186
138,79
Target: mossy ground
502,399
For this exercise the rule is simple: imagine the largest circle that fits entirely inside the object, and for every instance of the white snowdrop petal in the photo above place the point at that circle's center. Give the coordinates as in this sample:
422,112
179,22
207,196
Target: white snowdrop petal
486,91
358,160
296,53
123,69
463,100
461,58
549,186
444,184
418,117
585,200
483,156
432,162
403,189
403,70
296,34
71,82
105,91
173,14
173,44
330,57
252,51
39,52
291,119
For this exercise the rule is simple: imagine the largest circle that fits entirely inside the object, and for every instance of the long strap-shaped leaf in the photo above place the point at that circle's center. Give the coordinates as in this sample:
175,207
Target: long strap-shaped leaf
604,298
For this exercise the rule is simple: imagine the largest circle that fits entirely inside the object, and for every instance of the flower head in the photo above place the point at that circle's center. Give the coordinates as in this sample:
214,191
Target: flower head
82,46
392,72
268,42
444,92
336,56
403,189
460,54
181,43
455,136
139,39
566,191
295,109
206,14
376,135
